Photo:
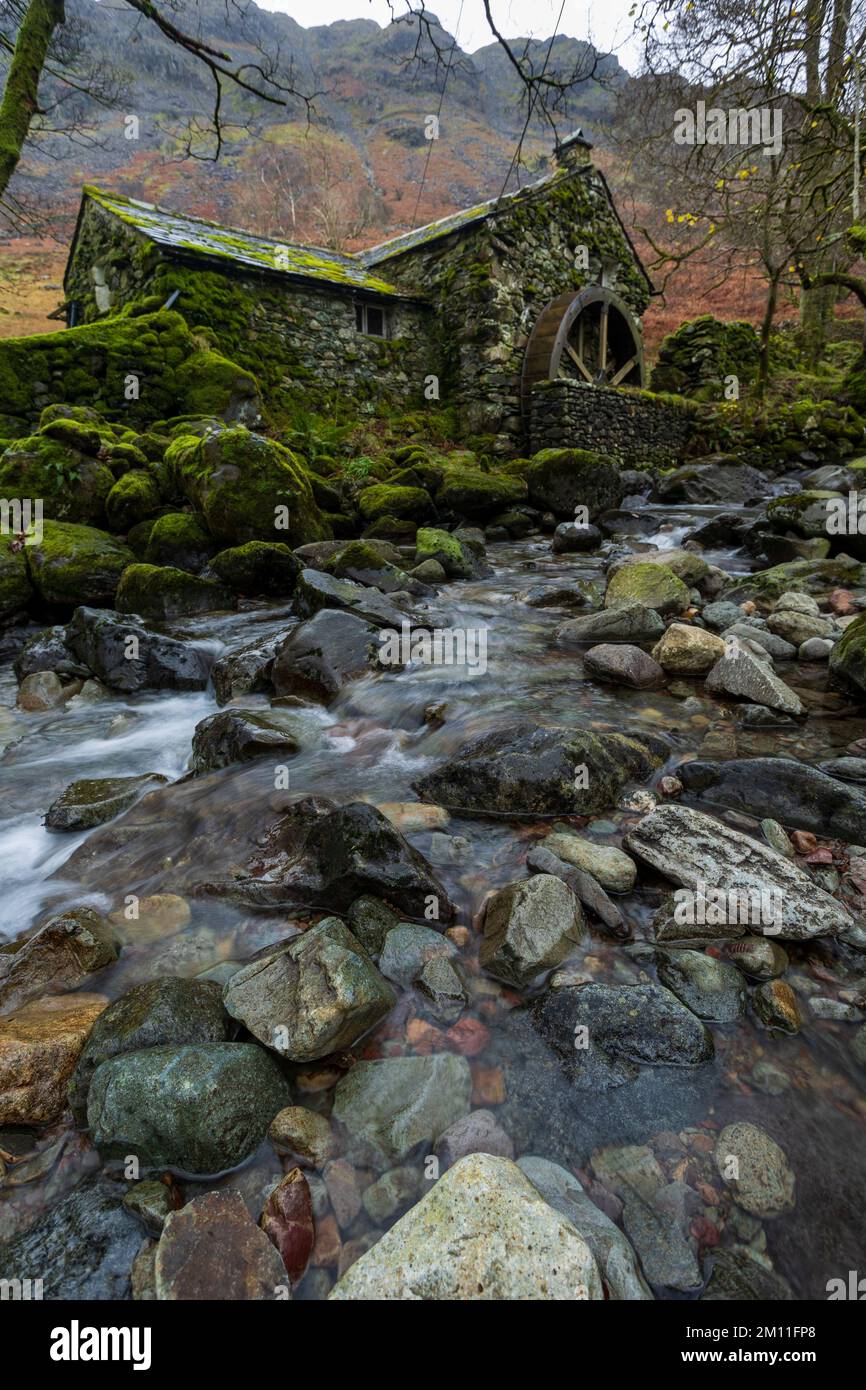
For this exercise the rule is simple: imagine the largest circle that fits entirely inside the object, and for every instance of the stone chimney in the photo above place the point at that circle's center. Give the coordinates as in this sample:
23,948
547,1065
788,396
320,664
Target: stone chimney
573,150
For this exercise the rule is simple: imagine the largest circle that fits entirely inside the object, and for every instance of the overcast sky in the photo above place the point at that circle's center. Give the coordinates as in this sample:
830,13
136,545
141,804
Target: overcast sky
606,22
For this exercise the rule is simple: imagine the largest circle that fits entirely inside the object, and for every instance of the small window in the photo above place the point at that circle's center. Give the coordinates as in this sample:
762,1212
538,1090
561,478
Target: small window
369,318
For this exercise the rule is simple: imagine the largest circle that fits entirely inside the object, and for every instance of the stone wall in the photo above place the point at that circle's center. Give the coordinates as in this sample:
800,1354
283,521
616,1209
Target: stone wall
490,281
293,337
634,426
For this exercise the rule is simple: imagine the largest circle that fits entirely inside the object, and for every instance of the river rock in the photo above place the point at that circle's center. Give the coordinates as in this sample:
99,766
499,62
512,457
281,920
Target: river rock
798,628
407,949
775,646
304,1133
604,1033
287,1221
317,995
712,989
712,482
628,622
571,536
443,989
795,602
617,1264
478,1132
529,769
739,1274
686,650
39,1046
799,796
201,1108
775,1004
460,1242
698,852
848,657
621,664
388,1106
149,1015
94,800
58,957
238,736
586,889
655,1229
529,927
815,649
721,614
758,957
321,656
649,583
609,866
41,691
393,1192
127,656
330,856
741,674
82,1248
245,671
317,591
755,1169
213,1249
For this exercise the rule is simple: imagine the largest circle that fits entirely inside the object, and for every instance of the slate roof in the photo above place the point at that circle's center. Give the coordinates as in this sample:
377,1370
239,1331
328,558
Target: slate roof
455,221
196,235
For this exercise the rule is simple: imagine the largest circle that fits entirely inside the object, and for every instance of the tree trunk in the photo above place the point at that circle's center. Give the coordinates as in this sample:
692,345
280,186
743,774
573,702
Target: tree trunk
816,313
766,330
20,96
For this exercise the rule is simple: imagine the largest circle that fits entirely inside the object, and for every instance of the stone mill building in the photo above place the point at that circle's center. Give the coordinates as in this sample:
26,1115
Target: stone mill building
478,309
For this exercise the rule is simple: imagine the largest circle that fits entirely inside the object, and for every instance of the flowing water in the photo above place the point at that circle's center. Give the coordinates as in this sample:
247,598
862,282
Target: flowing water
371,744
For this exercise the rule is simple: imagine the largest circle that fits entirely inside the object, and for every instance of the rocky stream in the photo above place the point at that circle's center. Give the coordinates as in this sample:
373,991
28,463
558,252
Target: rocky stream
345,960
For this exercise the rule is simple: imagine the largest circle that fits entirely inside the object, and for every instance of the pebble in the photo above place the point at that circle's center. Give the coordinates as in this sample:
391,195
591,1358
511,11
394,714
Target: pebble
777,838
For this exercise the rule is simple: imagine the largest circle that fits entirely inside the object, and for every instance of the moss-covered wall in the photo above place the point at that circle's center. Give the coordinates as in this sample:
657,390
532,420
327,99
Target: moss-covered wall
137,368
491,280
637,428
294,338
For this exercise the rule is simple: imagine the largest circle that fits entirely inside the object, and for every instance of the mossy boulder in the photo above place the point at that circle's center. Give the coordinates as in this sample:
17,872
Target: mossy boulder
559,480
473,493
404,503
210,384
848,657
155,591
806,513
72,487
420,474
83,435
694,360
133,498
806,576
652,585
259,567
76,565
246,487
178,539
16,591
456,559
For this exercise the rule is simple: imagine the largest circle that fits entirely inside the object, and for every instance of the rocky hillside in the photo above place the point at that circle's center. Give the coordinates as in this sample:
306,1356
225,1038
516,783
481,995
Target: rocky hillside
371,98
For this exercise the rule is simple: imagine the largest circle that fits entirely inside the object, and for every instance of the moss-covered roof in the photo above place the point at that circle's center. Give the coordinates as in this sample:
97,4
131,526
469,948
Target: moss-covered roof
195,235
454,222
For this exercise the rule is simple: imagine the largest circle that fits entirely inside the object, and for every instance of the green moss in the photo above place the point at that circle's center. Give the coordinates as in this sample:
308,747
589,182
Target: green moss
805,576
380,500
431,543
848,657
71,486
133,498
85,437
16,590
246,487
258,567
559,480
653,585
74,565
179,540
212,385
468,491
154,591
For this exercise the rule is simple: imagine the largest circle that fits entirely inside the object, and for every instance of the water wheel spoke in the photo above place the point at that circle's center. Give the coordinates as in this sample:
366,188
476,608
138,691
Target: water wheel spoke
578,362
602,342
624,370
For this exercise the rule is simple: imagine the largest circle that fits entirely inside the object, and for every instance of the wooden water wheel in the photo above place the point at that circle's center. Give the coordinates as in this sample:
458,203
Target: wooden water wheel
590,336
